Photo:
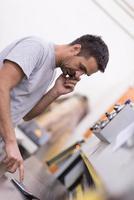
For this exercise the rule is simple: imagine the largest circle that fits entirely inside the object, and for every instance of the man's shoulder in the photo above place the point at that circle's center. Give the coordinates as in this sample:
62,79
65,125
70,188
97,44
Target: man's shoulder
33,44
36,39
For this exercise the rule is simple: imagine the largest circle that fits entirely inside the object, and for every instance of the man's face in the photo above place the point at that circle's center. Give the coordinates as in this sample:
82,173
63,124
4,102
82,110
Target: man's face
76,66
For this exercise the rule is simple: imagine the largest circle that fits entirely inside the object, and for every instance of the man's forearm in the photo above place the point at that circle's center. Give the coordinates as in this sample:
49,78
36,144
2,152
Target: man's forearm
6,127
45,101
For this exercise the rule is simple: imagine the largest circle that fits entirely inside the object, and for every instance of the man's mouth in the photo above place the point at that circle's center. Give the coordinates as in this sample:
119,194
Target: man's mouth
68,72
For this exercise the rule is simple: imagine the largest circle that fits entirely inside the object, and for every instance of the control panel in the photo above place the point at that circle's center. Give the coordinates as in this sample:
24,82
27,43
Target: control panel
118,119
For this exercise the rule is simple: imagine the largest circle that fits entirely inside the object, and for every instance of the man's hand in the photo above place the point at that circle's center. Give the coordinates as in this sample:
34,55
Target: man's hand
13,160
64,85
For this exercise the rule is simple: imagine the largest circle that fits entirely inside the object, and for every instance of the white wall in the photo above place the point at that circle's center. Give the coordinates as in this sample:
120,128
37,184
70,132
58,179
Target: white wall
62,21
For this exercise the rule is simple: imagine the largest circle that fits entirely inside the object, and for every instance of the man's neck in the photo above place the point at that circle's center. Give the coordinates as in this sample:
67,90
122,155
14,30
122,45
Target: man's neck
59,54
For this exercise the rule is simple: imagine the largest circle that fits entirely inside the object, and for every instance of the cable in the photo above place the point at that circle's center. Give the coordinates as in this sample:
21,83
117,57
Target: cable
114,20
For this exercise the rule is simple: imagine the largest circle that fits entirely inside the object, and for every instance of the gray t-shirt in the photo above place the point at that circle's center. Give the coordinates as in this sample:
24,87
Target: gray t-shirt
37,60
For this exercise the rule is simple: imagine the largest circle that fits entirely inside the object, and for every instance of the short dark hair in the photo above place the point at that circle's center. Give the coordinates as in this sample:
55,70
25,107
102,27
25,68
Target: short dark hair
92,45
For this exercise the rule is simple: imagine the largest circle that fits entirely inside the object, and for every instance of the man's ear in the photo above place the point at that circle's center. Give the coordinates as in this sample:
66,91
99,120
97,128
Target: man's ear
76,49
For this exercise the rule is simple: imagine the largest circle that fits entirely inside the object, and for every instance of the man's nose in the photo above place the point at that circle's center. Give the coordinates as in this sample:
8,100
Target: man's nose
78,74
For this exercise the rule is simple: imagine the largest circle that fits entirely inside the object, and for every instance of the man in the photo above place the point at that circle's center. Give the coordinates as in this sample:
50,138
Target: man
27,68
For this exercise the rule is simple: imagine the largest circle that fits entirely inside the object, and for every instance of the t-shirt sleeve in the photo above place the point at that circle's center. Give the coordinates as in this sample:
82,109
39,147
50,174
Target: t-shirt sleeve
27,55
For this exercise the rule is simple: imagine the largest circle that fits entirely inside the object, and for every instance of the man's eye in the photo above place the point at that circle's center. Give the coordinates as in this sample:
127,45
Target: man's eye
82,68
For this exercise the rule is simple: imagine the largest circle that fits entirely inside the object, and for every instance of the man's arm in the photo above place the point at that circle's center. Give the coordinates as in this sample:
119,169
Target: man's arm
62,86
46,100
10,76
